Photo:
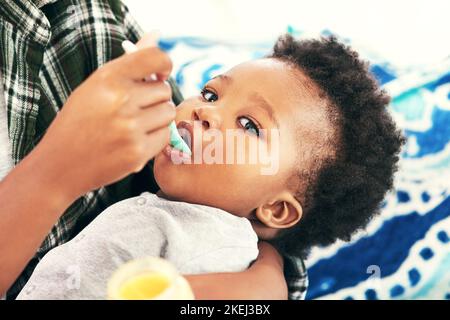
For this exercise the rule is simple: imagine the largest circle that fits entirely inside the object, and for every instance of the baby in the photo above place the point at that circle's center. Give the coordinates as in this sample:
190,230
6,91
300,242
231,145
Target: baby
336,149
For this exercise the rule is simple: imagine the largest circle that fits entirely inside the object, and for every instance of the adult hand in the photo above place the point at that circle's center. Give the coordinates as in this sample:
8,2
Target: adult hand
113,123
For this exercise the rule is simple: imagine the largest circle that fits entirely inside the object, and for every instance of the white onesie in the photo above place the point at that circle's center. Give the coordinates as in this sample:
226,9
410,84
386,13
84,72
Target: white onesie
195,238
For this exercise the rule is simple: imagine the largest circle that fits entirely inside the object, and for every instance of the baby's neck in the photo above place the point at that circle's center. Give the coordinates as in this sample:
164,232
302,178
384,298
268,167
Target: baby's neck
161,194
263,232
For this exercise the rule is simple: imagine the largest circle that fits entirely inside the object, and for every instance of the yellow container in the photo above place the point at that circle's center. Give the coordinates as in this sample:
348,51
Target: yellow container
148,278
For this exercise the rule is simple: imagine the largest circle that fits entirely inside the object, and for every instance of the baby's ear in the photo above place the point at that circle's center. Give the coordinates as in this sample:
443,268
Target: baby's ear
283,212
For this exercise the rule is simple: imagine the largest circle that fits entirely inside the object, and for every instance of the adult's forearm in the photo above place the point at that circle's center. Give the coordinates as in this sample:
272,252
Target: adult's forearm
236,286
32,198
264,280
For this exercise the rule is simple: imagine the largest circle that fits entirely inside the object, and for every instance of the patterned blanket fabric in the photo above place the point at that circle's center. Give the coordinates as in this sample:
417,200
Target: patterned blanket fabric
404,253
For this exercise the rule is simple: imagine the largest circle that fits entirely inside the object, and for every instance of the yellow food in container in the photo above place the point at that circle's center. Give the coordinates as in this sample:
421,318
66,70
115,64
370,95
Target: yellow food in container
148,278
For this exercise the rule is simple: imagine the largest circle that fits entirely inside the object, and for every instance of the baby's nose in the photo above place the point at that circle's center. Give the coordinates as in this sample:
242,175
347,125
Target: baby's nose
209,117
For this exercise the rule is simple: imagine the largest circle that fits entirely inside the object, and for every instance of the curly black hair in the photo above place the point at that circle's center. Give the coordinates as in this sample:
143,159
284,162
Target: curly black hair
344,191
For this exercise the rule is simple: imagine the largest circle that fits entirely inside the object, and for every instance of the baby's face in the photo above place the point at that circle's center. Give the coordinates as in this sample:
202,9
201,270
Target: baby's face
260,102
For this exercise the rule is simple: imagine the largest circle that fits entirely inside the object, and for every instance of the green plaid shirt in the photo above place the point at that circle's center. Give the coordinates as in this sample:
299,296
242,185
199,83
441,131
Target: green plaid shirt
47,49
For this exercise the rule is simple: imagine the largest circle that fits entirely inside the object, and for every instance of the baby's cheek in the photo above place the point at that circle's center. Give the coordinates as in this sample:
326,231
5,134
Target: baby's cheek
248,185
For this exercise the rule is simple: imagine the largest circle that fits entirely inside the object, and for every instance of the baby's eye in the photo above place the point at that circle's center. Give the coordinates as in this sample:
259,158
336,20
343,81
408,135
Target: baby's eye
208,95
249,125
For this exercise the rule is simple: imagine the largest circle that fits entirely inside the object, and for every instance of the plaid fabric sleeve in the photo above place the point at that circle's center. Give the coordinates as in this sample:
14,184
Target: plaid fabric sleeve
296,277
133,30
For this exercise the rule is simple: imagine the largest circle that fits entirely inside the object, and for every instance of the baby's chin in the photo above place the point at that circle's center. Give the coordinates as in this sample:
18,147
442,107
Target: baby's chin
192,183
170,179
179,184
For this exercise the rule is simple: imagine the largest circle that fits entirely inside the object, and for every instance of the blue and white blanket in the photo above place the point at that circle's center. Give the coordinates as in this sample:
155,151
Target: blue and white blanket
405,252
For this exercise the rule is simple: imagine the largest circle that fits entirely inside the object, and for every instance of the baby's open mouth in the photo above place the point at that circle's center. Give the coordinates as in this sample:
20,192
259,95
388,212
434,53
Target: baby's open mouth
186,137
186,131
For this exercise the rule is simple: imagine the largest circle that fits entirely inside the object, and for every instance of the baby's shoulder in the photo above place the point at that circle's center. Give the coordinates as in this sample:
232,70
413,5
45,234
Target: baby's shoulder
140,203
125,214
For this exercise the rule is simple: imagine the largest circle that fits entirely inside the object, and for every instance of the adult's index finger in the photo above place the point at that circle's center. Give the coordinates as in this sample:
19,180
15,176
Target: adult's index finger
144,62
